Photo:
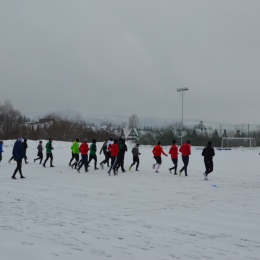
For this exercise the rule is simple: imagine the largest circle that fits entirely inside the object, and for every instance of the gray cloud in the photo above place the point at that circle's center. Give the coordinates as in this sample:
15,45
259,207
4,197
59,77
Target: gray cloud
125,57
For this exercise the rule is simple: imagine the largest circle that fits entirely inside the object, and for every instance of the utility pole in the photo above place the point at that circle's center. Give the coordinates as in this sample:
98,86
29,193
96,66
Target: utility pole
182,91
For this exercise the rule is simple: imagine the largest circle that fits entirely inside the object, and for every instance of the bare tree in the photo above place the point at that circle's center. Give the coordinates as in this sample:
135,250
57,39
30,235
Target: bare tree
133,121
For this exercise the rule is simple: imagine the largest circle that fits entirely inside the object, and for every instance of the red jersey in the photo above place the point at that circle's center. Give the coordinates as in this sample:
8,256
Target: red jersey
113,149
157,151
84,148
174,152
185,149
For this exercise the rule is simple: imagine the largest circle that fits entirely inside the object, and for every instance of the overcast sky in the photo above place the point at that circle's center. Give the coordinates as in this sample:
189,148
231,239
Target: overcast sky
129,57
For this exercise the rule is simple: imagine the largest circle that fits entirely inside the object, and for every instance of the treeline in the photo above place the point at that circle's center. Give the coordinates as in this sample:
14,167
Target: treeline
13,124
165,136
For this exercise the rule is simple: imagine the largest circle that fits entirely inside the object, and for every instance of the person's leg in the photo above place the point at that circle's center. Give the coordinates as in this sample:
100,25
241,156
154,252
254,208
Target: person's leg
81,162
133,162
137,161
186,162
72,158
211,166
206,166
47,157
41,157
75,164
158,163
90,159
114,165
175,161
95,161
51,157
20,168
173,166
106,161
18,162
113,160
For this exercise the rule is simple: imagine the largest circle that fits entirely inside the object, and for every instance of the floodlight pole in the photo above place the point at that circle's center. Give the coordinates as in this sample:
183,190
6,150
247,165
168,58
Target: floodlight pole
182,91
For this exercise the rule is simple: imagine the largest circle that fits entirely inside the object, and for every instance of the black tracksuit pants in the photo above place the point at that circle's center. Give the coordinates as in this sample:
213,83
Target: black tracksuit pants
94,157
185,160
135,160
83,161
107,157
49,155
175,162
113,163
75,164
208,165
18,168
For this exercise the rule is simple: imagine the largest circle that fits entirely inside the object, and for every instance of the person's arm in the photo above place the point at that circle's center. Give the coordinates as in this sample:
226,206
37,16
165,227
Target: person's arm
164,153
101,148
213,151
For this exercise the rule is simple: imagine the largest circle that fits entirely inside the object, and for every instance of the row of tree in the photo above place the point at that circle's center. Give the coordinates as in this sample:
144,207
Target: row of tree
13,124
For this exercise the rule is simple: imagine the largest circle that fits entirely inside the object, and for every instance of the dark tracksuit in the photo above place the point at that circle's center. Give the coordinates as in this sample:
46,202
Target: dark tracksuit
104,150
121,156
135,152
92,154
39,154
107,154
25,146
18,154
49,149
208,153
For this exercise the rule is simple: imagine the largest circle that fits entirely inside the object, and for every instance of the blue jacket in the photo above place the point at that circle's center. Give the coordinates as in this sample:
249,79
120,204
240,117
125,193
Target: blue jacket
1,148
18,151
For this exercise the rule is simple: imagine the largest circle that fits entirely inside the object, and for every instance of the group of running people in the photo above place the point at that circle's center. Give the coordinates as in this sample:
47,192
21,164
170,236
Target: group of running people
114,151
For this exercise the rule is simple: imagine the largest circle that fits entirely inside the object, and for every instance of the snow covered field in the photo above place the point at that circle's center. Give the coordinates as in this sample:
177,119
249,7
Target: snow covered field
58,213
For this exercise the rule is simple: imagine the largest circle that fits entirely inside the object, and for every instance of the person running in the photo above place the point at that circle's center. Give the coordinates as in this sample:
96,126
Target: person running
208,153
121,156
114,150
108,154
104,149
174,155
185,150
135,152
157,151
39,154
84,155
25,146
92,153
1,150
75,151
49,149
72,155
18,155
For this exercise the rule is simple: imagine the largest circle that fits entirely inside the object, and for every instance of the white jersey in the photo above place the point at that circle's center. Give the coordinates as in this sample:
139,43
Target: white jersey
109,142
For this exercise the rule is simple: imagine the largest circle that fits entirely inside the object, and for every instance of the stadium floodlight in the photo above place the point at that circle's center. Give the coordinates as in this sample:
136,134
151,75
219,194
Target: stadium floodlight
182,91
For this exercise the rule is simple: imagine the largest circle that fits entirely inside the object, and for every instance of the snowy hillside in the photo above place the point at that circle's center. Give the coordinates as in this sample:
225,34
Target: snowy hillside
58,213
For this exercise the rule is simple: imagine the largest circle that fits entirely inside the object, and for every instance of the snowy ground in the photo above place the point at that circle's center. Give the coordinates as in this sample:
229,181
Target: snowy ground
57,213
